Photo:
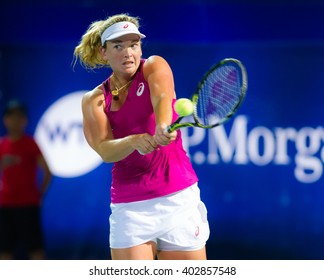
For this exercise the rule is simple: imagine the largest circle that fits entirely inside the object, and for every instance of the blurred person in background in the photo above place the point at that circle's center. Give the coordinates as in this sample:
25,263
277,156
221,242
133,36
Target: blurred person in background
20,192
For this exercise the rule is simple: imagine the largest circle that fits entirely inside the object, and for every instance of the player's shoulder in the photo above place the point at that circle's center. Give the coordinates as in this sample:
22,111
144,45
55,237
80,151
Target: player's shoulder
92,94
155,59
155,64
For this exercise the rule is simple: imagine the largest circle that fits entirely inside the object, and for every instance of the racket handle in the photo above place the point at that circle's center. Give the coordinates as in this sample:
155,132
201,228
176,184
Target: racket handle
172,127
168,129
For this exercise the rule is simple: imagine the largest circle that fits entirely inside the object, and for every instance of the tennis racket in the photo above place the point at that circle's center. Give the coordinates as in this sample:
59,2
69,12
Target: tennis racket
218,96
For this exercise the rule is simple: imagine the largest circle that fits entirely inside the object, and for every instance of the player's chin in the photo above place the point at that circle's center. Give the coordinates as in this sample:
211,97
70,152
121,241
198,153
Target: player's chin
129,67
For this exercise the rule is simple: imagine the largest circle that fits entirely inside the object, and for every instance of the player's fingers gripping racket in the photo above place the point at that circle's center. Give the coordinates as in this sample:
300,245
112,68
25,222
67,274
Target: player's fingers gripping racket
219,94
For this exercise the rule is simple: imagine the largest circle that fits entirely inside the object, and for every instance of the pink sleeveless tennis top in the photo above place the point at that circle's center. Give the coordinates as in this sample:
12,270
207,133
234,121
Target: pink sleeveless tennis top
141,177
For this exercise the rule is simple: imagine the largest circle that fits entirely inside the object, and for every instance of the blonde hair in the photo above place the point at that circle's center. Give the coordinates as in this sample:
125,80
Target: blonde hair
87,51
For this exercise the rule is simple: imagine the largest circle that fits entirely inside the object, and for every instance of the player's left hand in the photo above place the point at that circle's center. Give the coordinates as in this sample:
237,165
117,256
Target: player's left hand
162,136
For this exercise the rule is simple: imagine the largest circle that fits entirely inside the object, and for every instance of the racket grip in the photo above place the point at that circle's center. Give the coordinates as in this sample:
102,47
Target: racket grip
168,129
172,127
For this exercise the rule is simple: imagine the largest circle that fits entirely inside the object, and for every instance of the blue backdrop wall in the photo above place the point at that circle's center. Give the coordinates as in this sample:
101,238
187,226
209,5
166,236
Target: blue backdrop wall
261,174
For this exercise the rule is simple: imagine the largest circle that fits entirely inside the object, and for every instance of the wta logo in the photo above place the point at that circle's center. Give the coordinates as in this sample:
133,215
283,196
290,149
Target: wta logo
59,134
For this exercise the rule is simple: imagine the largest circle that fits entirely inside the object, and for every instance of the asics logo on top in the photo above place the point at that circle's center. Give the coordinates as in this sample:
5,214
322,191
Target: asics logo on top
140,89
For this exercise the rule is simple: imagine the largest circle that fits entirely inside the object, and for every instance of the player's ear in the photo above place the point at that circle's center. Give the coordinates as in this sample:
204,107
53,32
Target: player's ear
141,53
103,53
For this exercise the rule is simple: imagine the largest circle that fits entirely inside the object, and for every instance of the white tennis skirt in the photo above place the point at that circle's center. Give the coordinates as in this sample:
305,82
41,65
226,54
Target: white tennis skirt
175,222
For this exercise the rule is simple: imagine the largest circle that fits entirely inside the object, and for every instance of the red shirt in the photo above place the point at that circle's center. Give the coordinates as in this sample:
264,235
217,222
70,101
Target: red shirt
18,172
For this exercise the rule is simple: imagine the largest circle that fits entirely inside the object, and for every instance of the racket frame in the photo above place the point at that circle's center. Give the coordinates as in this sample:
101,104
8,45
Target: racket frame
177,125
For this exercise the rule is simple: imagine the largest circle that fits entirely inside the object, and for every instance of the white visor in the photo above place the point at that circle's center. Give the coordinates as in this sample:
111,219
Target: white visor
120,29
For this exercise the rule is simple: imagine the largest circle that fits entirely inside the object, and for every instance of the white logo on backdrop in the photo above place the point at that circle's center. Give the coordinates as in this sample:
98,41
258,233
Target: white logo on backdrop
60,136
260,146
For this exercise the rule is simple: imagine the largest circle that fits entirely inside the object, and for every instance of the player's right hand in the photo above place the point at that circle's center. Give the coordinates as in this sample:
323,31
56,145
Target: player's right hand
144,143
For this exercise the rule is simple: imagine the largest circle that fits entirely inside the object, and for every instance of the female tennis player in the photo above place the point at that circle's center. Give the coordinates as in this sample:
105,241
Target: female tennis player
156,210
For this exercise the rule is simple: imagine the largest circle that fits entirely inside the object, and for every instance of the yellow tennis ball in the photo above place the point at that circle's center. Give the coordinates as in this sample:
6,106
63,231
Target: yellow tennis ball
184,107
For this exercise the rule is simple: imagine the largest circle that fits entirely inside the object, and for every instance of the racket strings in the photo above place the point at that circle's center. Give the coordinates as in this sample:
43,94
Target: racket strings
219,94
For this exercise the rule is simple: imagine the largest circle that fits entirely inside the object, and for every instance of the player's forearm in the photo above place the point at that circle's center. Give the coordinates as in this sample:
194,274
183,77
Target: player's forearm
115,150
163,109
